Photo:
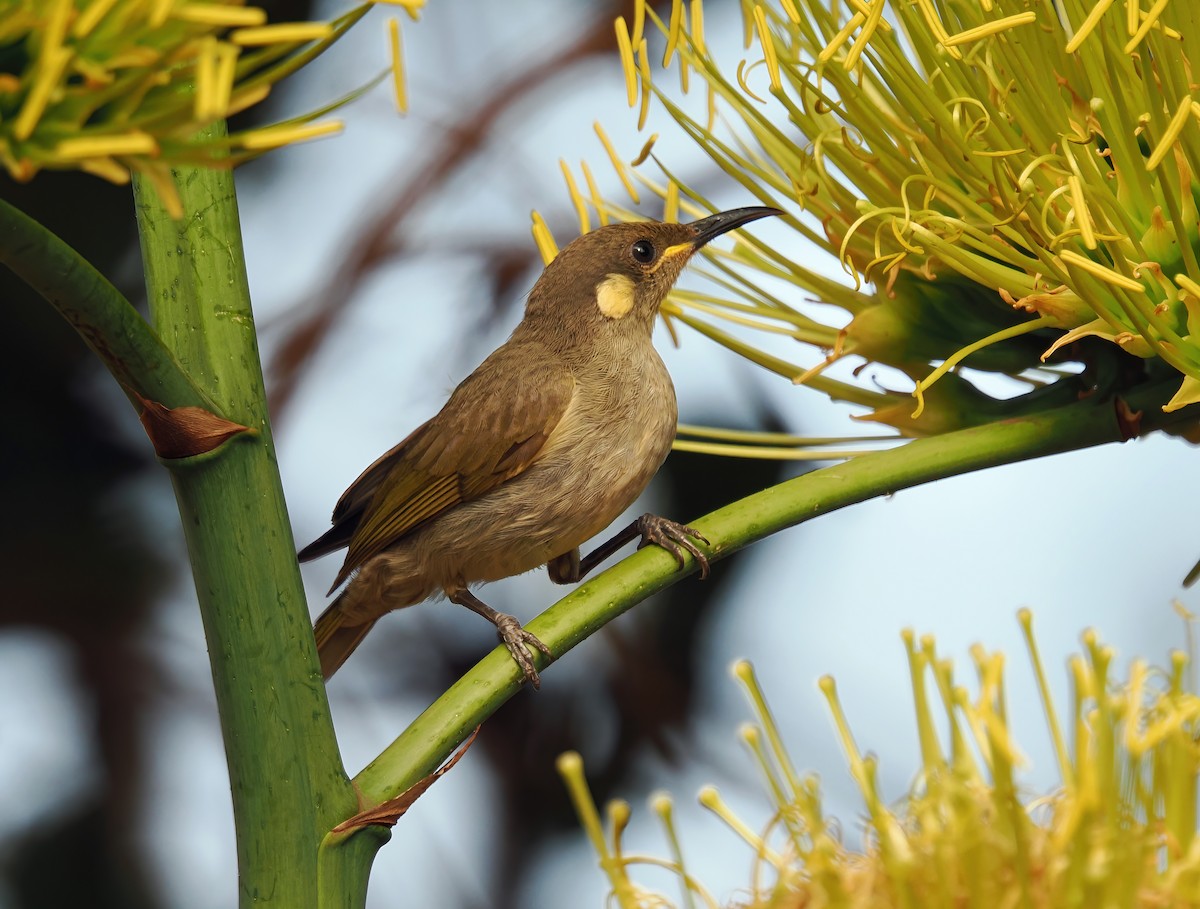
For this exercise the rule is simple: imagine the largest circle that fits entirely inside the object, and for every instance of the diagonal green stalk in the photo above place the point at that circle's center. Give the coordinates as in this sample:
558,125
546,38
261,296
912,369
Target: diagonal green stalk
474,697
286,775
106,321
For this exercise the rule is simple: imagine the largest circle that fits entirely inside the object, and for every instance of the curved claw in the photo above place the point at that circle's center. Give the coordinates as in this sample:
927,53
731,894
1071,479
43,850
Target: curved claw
674,538
518,641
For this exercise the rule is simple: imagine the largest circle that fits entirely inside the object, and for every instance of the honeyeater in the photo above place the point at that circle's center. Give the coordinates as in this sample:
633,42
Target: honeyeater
536,452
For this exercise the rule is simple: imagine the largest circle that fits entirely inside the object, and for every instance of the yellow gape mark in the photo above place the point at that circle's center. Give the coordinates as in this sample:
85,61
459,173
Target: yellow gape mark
679,249
614,296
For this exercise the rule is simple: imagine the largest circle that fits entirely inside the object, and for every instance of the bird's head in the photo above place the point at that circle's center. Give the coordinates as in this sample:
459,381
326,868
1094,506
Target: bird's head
616,277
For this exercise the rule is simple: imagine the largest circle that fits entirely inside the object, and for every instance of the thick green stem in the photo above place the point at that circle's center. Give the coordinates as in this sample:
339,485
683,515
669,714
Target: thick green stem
105,320
474,697
289,787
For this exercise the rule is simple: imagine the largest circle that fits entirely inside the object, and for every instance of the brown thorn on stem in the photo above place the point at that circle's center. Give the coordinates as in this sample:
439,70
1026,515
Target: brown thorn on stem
184,432
385,814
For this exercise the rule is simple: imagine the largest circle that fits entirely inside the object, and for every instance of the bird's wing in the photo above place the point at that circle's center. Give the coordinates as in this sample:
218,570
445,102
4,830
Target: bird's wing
354,501
493,427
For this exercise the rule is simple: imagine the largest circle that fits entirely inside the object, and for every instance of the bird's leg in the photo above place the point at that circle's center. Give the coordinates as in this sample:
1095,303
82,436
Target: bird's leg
515,637
670,535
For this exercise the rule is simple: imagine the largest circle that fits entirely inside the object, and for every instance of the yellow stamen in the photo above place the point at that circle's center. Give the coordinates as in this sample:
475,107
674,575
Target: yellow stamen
961,354
206,77
1088,24
743,71
1148,23
989,28
215,64
711,799
276,136
412,7
639,22
55,28
106,169
570,768
671,203
585,223
1174,128
1102,272
768,46
91,17
864,36
159,11
159,176
673,30
644,59
1082,216
135,56
625,48
645,152
1025,619
619,812
841,37
934,23
133,143
790,9
1165,29
1187,284
247,98
617,164
227,56
94,74
399,85
216,14
862,7
543,239
51,64
281,33
597,203
698,27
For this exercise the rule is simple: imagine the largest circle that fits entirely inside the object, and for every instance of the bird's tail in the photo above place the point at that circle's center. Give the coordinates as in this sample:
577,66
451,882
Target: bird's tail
336,640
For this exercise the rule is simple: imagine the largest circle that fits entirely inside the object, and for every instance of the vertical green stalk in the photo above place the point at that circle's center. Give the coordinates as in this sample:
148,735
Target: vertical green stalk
289,786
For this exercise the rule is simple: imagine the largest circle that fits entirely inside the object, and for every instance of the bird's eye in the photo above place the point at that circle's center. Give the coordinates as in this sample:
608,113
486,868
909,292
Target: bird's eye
643,251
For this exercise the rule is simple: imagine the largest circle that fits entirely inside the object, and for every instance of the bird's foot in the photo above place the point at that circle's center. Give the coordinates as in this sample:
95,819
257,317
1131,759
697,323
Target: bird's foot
674,538
518,641
515,638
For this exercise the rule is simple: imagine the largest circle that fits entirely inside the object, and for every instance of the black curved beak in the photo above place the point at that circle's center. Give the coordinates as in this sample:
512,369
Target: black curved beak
714,225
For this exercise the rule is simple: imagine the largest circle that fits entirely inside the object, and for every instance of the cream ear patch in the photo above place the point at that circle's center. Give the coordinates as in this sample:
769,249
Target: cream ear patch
614,296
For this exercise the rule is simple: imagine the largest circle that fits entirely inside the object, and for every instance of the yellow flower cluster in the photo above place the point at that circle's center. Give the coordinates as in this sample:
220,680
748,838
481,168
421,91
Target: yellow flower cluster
1120,830
999,179
114,86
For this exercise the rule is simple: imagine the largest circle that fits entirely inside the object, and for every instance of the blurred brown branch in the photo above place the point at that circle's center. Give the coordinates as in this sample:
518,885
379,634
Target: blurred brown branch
379,238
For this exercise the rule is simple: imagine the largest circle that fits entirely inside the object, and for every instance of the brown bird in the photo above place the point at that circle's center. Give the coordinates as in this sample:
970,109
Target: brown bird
537,451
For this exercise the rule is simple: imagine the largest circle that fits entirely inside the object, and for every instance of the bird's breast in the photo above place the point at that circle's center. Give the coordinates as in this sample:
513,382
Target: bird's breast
610,442
614,437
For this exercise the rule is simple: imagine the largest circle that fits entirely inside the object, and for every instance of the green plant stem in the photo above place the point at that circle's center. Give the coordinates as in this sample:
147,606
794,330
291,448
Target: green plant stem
286,775
473,698
106,321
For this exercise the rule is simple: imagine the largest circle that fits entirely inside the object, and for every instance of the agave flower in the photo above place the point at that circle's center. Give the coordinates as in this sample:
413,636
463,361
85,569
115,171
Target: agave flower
1119,831
1000,179
112,87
